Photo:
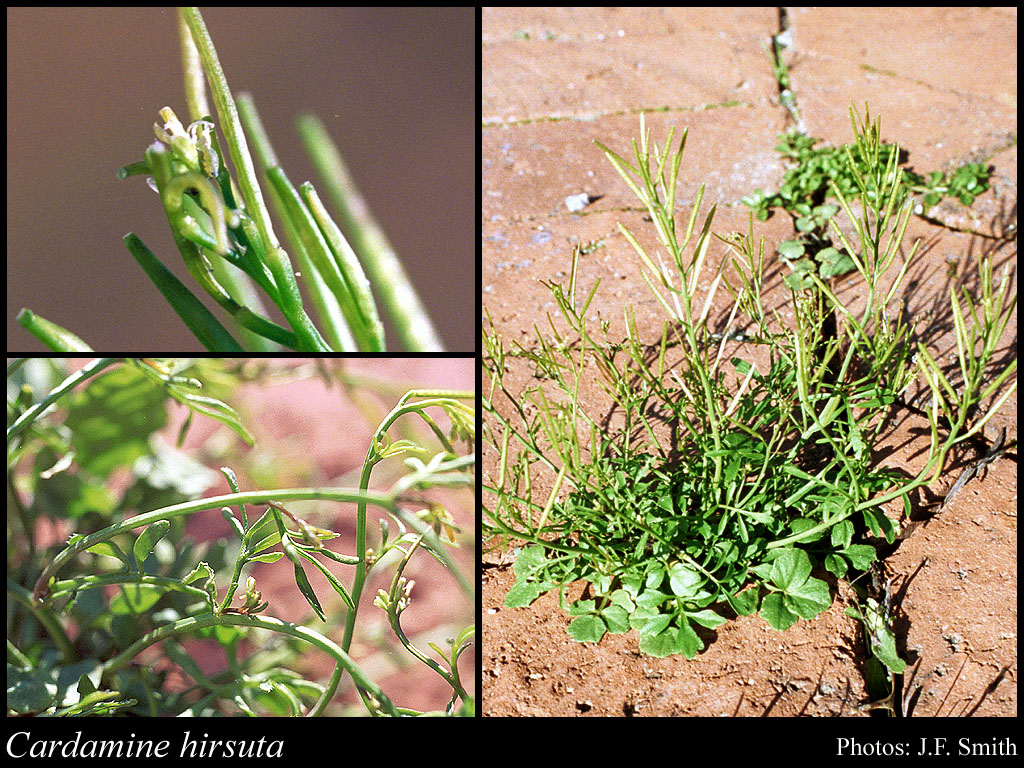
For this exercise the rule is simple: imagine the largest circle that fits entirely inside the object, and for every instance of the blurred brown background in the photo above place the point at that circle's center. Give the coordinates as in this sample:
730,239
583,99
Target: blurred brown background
395,87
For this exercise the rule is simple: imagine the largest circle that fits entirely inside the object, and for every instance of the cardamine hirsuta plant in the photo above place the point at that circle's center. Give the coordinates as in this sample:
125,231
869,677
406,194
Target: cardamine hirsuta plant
774,464
223,231
131,579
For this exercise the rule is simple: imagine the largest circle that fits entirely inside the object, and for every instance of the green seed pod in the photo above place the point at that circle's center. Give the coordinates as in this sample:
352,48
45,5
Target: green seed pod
52,335
233,521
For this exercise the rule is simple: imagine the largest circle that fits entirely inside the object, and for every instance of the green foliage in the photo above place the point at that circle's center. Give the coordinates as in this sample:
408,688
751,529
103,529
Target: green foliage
769,481
102,442
816,174
131,577
793,593
805,259
222,229
881,640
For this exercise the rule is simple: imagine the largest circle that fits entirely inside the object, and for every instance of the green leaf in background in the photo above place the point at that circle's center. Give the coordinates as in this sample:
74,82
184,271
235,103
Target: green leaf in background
166,476
833,263
135,598
186,391
69,679
75,492
880,524
223,634
29,690
34,690
113,419
110,549
214,409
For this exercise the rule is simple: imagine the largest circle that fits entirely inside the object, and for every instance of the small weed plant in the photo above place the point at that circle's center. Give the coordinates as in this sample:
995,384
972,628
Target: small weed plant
818,177
769,480
223,231
814,173
131,579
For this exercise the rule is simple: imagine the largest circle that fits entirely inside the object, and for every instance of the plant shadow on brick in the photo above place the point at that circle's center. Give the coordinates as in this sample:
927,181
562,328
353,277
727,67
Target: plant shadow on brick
771,474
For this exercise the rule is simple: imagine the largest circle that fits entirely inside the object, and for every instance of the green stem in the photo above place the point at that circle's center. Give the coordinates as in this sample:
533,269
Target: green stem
371,459
276,258
394,614
70,586
37,410
363,497
193,623
360,575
